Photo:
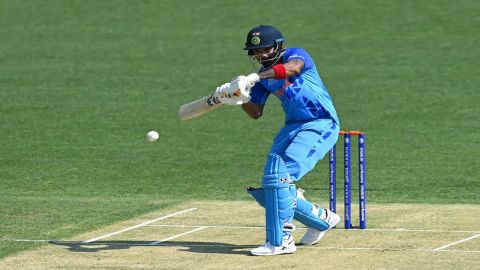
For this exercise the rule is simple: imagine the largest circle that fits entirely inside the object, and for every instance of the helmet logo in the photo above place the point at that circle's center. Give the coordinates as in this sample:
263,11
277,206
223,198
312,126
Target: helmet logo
255,40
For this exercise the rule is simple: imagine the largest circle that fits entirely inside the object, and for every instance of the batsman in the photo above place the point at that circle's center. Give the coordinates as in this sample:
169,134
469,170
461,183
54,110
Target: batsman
310,131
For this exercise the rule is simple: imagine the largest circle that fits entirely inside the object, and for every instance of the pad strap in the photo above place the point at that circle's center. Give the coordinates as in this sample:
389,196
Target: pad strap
303,210
303,213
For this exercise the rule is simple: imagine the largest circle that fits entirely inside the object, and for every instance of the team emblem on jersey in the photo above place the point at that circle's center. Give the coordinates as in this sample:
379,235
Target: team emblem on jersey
255,40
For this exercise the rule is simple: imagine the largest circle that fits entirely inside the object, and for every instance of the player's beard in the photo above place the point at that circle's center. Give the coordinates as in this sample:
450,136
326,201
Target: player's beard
266,62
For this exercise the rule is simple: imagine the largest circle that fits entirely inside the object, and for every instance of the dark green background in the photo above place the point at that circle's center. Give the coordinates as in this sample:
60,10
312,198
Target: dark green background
81,82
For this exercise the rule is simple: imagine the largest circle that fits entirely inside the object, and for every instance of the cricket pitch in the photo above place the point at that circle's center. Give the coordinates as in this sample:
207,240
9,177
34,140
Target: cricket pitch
219,235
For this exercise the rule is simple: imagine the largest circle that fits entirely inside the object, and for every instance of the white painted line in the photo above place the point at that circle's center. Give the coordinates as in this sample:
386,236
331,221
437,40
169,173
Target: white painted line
314,247
208,226
160,243
408,230
176,236
25,240
458,242
303,228
457,251
391,249
388,249
139,225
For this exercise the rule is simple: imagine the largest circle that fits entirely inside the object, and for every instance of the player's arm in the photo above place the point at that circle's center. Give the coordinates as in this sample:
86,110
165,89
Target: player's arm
259,95
282,71
253,110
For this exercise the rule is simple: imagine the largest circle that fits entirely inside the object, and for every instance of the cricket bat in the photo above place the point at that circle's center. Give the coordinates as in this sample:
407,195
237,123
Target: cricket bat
198,107
239,87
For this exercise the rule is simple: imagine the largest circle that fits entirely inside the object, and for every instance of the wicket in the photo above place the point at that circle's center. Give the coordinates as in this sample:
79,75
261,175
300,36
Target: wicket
362,195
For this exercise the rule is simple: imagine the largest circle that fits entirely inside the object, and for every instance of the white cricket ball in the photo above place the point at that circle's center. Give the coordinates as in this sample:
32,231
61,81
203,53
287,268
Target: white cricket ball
152,136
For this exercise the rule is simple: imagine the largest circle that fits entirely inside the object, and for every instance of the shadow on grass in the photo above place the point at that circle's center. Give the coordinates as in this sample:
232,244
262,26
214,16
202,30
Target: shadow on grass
197,247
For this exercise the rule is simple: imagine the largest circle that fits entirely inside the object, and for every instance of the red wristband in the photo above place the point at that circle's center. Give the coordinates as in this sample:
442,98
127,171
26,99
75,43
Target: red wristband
280,71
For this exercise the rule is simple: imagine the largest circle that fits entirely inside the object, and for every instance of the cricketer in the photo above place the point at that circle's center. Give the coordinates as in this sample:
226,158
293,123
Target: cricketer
311,130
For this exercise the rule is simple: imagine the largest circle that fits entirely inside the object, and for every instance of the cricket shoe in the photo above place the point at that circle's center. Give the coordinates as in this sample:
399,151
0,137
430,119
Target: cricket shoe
312,236
288,246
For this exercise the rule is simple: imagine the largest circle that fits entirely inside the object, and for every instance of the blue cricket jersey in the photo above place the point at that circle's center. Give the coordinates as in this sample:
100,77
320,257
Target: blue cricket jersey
304,97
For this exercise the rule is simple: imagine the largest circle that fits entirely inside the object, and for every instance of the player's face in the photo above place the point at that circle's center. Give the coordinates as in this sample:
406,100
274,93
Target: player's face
263,54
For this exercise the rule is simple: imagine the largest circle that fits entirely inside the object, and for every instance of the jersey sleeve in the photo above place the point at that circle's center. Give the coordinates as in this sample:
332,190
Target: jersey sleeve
300,54
259,94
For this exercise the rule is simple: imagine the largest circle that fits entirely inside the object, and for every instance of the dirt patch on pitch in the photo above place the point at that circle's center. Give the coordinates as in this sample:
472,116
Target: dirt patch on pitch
219,235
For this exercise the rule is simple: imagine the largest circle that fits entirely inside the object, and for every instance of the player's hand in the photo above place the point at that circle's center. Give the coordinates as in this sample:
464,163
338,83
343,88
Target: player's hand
252,79
230,94
236,92
249,80
240,87
223,94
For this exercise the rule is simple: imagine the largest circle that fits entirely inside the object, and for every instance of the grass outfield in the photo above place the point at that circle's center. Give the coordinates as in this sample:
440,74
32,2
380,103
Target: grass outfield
81,82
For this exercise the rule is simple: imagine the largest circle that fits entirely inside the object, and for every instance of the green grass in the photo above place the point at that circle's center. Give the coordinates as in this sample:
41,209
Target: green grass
81,82
42,217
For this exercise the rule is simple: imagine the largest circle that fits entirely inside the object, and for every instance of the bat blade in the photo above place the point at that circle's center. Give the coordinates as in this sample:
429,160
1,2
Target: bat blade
198,107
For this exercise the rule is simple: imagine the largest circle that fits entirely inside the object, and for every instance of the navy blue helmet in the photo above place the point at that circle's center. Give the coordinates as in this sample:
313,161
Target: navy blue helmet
265,36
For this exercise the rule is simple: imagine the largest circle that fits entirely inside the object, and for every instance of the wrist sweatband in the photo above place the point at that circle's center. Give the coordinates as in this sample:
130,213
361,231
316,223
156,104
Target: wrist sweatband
280,71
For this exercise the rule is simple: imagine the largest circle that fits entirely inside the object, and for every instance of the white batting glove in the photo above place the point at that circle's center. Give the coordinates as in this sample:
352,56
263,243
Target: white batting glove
252,79
225,95
236,92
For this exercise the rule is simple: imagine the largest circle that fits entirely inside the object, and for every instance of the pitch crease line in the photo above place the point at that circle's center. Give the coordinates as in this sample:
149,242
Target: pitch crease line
26,240
207,226
383,249
457,242
301,227
229,246
176,236
139,225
